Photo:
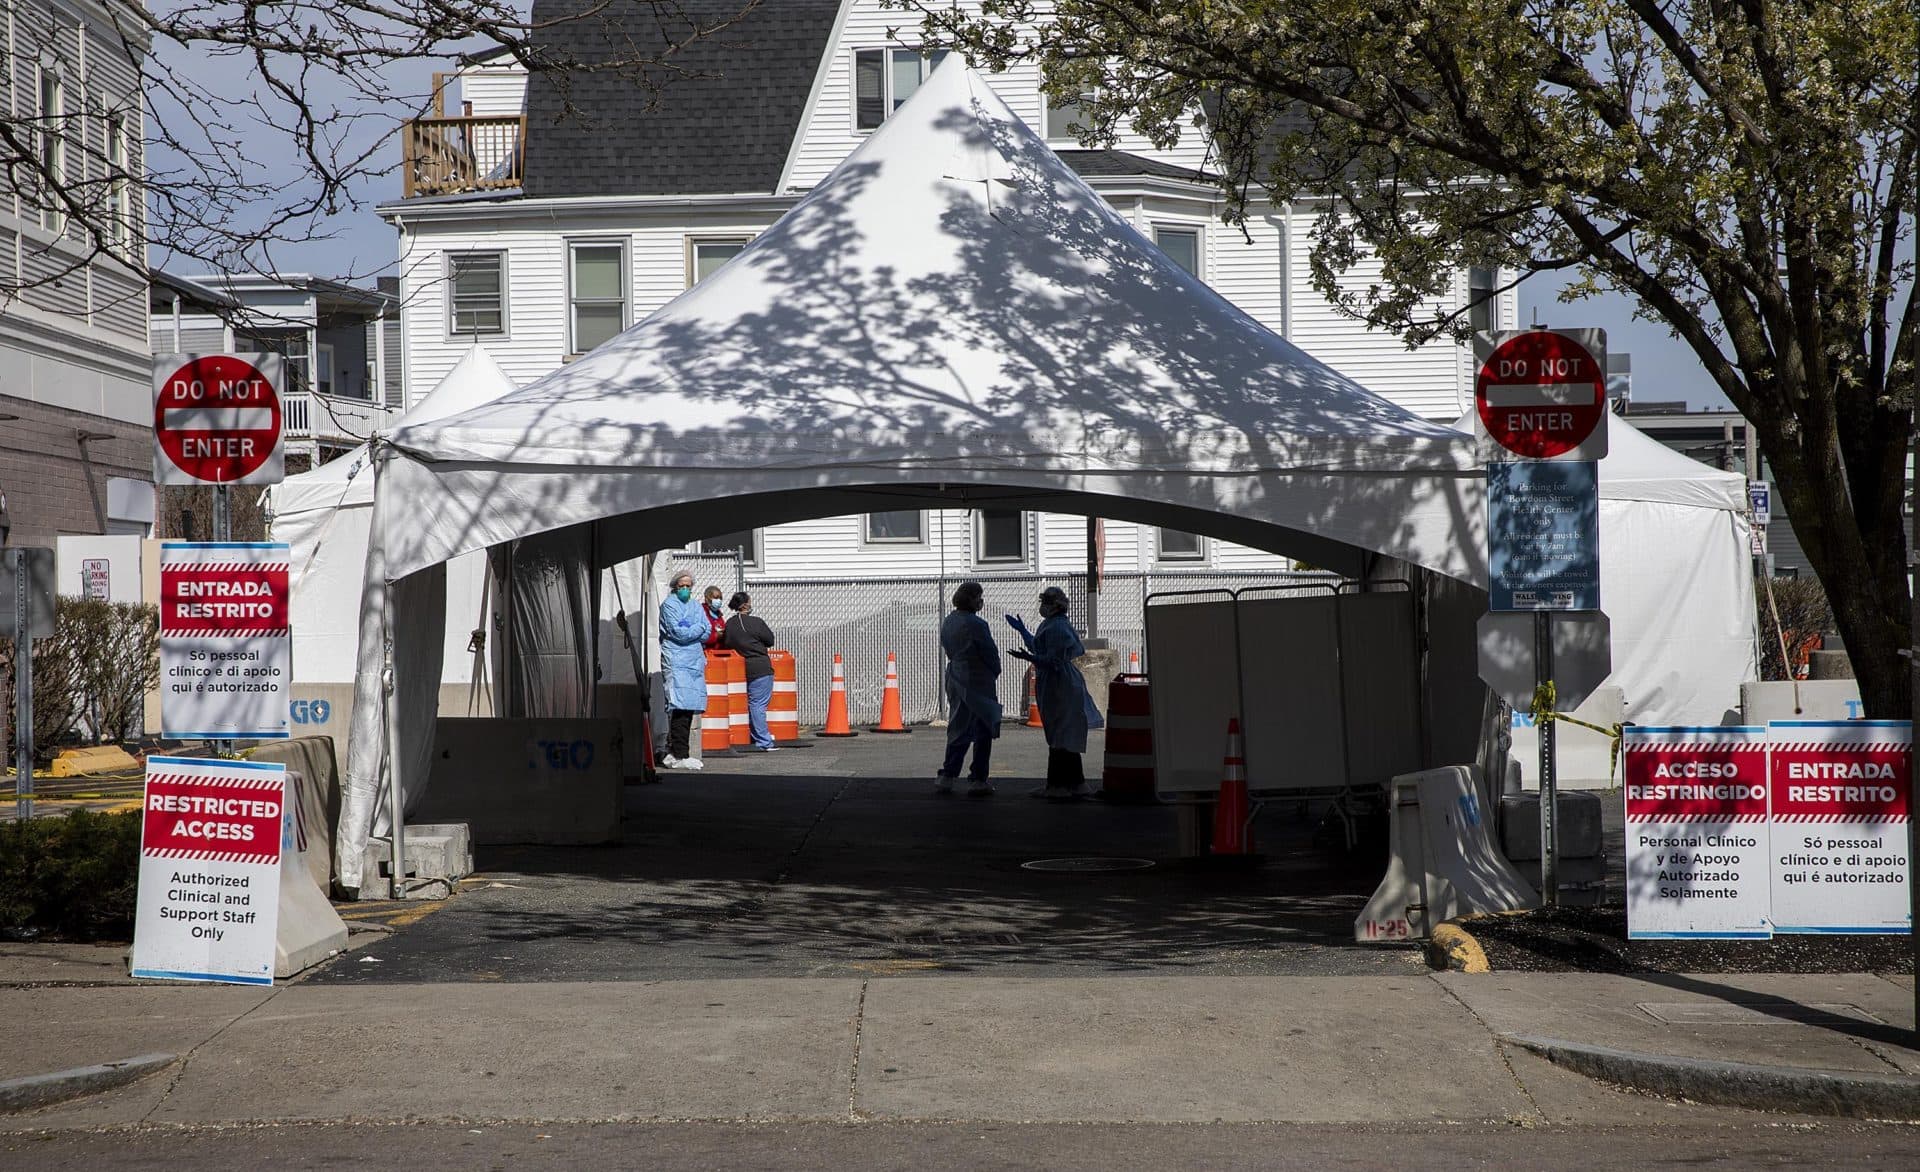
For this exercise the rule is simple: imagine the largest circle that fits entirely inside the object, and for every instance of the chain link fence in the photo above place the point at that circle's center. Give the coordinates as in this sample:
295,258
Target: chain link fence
864,619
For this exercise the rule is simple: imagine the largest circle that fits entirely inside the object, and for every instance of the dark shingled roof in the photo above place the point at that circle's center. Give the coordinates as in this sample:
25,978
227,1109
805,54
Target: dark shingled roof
1091,163
718,116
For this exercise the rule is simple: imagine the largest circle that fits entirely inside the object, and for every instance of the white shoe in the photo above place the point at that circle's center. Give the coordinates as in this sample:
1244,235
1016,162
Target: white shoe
942,783
669,761
693,763
980,787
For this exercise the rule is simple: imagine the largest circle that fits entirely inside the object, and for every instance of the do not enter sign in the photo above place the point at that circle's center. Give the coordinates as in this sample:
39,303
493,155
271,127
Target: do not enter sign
216,419
1542,394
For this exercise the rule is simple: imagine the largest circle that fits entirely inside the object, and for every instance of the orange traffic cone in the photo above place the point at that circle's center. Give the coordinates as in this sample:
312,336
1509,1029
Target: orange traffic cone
890,721
1033,702
1133,663
1230,812
837,723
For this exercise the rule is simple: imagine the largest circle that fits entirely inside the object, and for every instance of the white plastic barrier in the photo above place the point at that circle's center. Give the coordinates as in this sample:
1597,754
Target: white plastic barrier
1444,862
308,930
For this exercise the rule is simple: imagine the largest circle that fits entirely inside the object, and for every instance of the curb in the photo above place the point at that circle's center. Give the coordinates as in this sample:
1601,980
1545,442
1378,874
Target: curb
1453,947
1737,1084
40,1090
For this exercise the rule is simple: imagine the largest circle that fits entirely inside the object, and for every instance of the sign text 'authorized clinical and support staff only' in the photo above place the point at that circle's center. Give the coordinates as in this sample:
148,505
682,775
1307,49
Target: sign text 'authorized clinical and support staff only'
226,649
1744,832
209,900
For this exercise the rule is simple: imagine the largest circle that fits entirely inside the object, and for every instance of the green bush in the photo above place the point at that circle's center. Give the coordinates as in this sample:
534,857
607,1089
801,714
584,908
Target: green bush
75,876
96,668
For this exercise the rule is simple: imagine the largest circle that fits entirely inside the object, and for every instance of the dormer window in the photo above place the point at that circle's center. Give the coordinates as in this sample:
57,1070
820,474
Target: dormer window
884,78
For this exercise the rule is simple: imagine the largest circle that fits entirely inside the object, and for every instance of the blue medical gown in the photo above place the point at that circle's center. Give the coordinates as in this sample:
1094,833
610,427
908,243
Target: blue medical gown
1059,688
973,672
683,659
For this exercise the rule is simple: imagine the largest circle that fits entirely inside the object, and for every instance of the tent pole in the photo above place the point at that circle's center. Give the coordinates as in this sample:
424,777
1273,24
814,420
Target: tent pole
390,716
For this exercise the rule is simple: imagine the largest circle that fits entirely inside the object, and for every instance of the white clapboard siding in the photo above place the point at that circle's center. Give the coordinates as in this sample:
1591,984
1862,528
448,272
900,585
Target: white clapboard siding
493,90
828,135
1426,381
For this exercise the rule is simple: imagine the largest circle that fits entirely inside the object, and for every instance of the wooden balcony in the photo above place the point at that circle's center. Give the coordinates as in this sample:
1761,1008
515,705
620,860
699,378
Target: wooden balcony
447,156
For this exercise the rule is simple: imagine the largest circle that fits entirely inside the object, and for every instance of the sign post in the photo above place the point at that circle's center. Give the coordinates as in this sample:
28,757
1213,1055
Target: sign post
26,613
1541,401
208,906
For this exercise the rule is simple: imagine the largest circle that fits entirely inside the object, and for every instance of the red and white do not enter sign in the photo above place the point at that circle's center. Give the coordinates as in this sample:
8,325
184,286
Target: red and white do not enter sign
216,419
1543,393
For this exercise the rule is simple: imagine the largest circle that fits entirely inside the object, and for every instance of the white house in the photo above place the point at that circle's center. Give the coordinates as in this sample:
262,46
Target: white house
76,398
543,219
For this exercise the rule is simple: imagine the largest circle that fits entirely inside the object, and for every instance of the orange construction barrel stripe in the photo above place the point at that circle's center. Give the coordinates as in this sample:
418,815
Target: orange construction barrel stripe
739,731
716,721
783,710
1127,769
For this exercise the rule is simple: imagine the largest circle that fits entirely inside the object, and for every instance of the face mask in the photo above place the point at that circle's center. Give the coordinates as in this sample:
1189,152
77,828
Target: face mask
685,592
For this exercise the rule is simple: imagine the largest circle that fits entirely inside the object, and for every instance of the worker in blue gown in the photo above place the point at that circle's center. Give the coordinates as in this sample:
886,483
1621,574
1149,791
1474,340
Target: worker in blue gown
683,660
973,696
1066,711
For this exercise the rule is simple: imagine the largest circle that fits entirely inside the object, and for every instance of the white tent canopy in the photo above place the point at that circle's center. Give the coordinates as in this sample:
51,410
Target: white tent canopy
951,316
324,515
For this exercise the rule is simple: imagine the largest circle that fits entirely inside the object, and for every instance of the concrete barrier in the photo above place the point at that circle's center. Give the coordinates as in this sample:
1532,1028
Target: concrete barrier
326,710
541,780
1443,863
1807,700
622,702
308,930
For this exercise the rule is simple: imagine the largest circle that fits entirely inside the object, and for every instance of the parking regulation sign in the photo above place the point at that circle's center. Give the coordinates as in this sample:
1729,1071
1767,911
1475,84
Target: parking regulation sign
1541,394
217,419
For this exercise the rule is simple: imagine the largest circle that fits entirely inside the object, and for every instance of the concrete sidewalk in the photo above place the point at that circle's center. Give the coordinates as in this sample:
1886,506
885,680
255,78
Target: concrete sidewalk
1297,1049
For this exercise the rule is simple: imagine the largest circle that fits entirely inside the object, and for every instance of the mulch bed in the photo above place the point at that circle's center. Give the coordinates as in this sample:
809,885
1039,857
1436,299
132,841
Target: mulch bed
1594,940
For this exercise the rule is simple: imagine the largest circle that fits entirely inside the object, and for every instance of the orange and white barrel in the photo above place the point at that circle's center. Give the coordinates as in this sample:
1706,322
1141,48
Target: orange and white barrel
1127,770
783,710
715,723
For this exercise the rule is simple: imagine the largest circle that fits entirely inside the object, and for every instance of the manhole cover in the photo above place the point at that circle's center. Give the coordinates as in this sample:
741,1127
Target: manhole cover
1086,865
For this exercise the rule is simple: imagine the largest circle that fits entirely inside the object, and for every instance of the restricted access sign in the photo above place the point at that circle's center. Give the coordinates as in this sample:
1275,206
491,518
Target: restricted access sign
217,419
226,650
209,898
1542,394
1697,835
1840,795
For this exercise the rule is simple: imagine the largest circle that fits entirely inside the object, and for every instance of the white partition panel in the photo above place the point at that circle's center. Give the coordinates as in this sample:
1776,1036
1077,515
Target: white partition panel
1191,649
1290,675
1381,670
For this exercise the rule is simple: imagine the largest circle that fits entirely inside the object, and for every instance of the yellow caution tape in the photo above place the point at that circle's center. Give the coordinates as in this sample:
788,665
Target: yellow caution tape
1542,711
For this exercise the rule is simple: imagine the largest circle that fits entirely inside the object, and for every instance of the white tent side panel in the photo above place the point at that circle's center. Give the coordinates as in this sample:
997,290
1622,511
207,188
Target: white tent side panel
1677,582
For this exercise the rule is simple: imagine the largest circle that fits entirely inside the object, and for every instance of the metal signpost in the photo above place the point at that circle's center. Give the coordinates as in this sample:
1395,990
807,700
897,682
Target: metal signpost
1541,400
26,614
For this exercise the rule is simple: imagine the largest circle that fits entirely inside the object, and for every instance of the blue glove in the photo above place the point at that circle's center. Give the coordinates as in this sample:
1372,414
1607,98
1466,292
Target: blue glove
1014,621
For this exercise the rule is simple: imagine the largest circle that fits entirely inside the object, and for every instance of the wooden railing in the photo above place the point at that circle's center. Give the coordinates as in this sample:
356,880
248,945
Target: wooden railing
445,156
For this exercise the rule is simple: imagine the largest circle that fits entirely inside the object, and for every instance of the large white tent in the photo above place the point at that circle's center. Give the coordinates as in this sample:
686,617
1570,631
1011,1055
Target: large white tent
324,517
951,316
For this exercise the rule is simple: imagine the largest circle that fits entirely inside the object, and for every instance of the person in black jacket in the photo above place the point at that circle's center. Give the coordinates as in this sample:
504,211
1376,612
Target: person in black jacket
749,635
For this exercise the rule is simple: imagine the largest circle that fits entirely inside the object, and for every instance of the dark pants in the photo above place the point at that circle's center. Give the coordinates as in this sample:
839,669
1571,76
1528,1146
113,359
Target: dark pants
1063,769
680,732
981,738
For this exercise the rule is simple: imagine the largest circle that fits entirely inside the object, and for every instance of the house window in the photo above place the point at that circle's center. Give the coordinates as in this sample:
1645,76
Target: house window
119,190
323,368
899,527
1175,546
1481,283
597,285
1064,121
1000,535
746,543
1182,246
706,256
477,300
884,78
53,148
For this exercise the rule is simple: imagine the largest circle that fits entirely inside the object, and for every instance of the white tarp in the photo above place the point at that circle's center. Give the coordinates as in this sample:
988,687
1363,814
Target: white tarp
1676,579
951,314
324,516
